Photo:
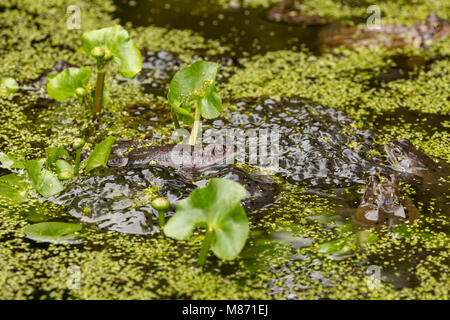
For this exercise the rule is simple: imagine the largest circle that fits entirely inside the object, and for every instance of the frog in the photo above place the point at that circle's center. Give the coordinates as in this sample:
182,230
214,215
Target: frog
182,158
390,36
383,204
288,11
409,160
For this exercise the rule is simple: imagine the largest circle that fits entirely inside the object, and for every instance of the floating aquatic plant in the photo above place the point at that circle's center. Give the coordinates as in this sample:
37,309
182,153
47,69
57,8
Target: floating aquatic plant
44,175
193,89
161,205
217,208
106,45
54,232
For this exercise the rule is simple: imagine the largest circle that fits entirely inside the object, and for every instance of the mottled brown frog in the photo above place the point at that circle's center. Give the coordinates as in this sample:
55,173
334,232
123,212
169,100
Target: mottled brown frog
383,204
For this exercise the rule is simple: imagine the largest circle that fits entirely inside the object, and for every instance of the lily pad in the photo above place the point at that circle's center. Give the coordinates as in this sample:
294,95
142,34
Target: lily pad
196,82
216,207
99,156
124,51
54,232
62,86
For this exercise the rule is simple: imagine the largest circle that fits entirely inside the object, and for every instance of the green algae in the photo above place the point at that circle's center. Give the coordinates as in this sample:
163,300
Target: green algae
119,266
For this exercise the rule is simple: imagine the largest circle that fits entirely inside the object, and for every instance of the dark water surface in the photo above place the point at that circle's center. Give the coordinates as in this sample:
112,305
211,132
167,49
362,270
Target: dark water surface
245,30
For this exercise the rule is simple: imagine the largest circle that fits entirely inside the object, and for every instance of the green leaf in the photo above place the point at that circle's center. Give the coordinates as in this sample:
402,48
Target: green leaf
210,105
9,162
99,156
61,86
54,153
197,82
183,115
216,207
7,86
14,187
124,51
34,168
62,165
44,182
53,232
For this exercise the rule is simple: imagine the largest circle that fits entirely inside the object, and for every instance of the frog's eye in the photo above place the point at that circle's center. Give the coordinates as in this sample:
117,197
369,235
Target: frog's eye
397,151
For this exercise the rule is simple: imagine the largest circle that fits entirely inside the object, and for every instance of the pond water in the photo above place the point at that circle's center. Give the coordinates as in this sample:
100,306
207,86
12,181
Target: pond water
326,155
245,30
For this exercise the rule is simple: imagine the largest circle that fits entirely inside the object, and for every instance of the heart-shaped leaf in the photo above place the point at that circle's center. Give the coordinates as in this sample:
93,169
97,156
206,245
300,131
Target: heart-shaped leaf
62,86
14,187
54,232
9,162
197,82
216,207
99,156
44,182
124,51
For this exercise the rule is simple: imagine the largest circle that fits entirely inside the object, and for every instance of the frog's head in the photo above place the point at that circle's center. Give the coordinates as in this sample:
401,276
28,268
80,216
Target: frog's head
407,158
435,23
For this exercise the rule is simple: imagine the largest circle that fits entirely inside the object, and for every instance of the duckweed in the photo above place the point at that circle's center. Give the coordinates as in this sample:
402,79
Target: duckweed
121,266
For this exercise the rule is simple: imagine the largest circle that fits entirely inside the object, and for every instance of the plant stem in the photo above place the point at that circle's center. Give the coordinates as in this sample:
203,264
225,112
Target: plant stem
77,162
205,248
194,132
98,98
161,218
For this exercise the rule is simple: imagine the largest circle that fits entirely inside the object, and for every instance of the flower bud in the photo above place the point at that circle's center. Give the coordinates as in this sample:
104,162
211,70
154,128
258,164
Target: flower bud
78,143
160,204
81,92
98,52
108,55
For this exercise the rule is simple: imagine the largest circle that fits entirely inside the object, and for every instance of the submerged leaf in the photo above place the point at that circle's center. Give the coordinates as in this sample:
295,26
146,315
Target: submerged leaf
53,232
216,207
124,51
62,86
14,187
99,156
196,82
341,246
